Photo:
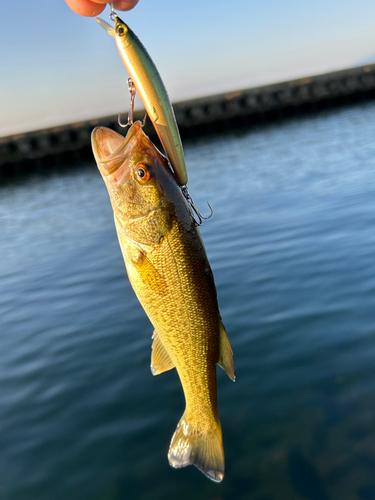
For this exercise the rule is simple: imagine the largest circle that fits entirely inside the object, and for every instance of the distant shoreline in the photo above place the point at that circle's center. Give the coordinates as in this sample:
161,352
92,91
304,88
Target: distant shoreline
200,116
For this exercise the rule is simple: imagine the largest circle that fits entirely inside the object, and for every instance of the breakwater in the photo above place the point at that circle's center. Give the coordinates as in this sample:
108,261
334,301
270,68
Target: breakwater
27,152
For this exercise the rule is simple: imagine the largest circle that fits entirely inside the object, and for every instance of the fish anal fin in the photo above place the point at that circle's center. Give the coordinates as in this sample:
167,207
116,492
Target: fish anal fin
226,354
204,449
160,359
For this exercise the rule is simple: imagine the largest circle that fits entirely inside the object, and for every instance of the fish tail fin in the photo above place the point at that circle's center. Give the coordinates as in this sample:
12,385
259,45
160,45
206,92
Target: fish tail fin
202,448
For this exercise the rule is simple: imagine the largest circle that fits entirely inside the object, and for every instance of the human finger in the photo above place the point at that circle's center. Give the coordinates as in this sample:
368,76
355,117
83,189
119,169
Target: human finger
120,4
86,7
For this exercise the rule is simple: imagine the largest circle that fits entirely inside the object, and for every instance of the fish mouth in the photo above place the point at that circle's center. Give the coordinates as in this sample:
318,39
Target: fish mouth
112,150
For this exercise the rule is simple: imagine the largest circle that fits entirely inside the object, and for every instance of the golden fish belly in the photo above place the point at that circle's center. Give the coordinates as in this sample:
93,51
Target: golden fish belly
175,287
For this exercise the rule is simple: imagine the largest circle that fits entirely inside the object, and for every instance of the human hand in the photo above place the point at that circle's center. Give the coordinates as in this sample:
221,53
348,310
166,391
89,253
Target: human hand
91,8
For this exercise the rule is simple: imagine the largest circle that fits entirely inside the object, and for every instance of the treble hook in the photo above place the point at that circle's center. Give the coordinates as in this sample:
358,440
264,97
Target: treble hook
194,209
113,14
132,91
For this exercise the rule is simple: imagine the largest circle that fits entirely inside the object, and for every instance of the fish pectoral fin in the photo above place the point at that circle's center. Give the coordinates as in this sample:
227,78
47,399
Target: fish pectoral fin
160,359
200,447
226,354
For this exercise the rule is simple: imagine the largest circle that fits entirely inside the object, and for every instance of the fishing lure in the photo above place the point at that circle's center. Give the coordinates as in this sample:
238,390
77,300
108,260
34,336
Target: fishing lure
150,87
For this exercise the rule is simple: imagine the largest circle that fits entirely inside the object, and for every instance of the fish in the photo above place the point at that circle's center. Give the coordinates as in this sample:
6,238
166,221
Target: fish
152,91
167,266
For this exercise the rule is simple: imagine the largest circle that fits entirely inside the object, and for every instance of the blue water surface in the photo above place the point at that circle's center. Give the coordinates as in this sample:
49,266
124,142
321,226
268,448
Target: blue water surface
292,247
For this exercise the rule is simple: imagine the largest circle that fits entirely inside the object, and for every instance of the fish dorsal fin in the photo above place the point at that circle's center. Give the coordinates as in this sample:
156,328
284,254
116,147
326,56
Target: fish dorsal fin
160,359
226,354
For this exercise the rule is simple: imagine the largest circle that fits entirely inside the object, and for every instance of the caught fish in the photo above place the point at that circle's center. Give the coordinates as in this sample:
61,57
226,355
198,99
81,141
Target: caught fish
150,86
168,269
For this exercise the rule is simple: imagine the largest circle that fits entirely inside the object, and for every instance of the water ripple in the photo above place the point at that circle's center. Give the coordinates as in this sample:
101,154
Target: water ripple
291,245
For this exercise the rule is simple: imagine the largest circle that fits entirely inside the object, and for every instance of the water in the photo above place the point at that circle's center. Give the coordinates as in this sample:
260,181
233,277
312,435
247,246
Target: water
292,247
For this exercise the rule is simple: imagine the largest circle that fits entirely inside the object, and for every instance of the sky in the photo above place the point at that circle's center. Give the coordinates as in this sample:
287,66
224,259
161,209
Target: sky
58,67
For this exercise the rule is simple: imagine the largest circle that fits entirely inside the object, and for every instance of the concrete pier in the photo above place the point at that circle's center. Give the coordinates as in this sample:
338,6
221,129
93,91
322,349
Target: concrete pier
31,151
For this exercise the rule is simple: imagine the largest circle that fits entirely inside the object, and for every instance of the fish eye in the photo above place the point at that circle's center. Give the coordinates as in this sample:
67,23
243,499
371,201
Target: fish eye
143,174
121,29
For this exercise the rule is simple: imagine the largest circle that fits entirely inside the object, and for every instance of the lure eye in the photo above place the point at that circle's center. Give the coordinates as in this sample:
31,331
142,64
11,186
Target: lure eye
121,29
143,174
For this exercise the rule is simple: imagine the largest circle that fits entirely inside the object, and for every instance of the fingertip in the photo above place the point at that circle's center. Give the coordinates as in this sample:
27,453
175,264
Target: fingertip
125,4
86,8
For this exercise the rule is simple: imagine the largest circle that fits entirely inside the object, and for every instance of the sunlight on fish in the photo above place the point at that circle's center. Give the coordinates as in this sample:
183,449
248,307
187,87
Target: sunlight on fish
171,276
